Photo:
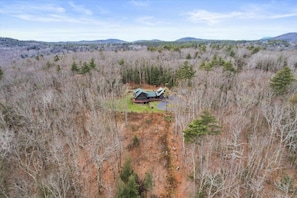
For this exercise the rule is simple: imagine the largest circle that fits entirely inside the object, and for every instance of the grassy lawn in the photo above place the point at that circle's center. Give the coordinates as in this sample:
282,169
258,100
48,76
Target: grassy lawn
125,103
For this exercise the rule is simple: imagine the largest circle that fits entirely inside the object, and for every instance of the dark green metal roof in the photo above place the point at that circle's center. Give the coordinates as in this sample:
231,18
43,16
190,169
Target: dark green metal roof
151,94
138,91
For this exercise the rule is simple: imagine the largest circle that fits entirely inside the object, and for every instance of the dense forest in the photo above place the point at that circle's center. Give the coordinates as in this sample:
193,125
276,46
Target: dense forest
232,119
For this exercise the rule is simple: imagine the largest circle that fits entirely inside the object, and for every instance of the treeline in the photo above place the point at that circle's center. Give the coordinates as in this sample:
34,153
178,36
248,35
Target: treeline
85,68
217,62
157,75
152,75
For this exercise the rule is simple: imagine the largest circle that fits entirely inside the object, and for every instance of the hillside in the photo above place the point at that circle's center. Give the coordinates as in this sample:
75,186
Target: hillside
107,41
187,39
69,129
290,37
10,42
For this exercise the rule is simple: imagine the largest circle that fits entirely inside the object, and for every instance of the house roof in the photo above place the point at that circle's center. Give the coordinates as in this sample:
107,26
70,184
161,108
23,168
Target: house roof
150,94
160,91
138,91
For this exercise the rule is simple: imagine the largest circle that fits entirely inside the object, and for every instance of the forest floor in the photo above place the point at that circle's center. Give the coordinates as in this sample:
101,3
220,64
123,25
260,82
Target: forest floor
159,152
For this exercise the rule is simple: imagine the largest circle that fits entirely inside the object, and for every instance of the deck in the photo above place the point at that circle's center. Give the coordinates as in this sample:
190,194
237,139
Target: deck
146,101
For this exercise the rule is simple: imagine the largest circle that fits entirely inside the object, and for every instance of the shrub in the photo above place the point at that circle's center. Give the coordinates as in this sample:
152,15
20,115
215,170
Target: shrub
293,99
135,142
286,184
189,56
56,58
48,65
168,118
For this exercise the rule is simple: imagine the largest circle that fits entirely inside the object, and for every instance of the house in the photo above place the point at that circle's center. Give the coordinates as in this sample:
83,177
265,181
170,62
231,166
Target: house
142,96
160,92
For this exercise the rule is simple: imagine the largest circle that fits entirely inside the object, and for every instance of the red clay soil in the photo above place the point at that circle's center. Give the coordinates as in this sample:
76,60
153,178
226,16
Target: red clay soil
159,152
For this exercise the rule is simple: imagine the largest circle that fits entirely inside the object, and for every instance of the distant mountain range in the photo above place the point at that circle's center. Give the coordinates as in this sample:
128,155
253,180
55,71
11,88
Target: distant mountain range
113,41
289,37
146,41
188,39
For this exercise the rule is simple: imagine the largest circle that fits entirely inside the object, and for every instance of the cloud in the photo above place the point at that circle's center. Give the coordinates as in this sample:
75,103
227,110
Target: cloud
204,16
80,8
273,10
39,13
53,13
279,16
148,20
29,8
102,10
139,3
47,18
211,18
55,18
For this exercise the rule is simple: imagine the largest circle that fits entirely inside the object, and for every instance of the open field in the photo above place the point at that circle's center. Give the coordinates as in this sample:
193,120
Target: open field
125,103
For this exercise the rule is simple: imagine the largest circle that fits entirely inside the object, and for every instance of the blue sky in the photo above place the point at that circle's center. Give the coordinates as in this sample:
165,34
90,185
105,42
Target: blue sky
130,20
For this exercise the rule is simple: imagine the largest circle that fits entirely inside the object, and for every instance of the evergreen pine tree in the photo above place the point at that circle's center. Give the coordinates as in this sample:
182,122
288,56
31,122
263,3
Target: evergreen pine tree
188,56
281,81
85,68
74,67
56,58
148,181
58,68
186,71
129,189
205,125
133,187
228,67
128,183
92,63
127,171
206,65
1,73
122,190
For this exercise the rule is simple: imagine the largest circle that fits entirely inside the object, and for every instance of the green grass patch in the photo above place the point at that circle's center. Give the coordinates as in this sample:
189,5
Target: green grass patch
126,104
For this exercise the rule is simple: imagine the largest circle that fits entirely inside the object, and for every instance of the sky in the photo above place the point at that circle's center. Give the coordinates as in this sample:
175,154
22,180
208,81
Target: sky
131,20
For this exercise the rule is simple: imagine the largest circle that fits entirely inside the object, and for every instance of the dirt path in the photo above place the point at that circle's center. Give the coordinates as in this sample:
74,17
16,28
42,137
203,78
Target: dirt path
177,170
